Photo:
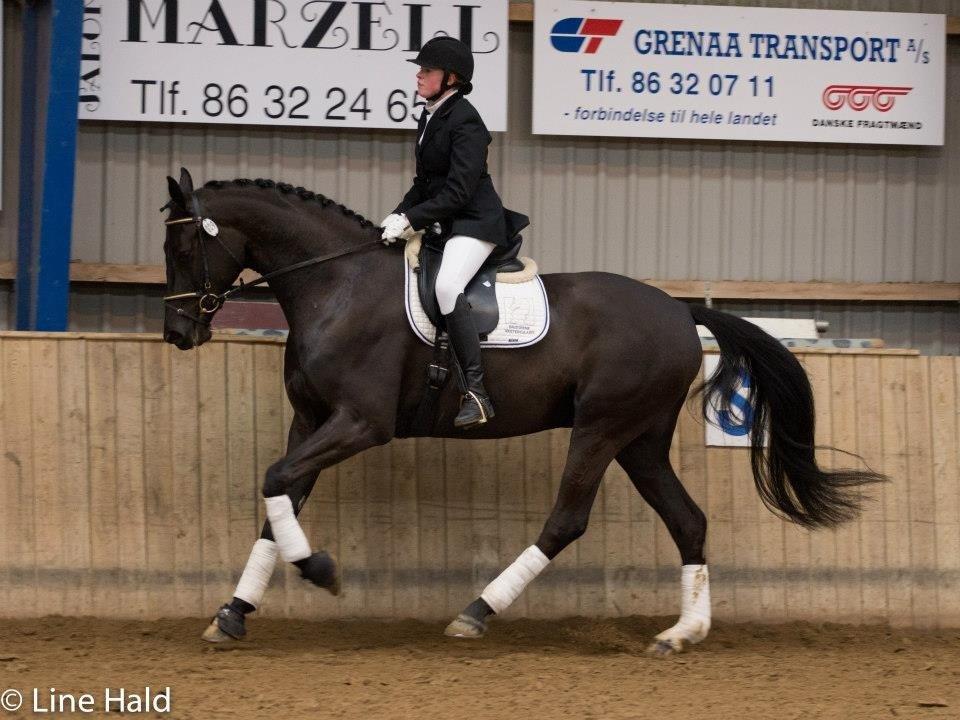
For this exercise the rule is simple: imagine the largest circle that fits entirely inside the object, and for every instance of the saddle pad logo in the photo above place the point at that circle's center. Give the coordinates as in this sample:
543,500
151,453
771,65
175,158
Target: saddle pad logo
570,34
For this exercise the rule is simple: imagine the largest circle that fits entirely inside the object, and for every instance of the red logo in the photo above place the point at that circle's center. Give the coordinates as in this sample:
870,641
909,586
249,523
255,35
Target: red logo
860,97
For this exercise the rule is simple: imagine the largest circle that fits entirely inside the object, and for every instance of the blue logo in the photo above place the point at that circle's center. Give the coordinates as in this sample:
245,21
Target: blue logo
730,423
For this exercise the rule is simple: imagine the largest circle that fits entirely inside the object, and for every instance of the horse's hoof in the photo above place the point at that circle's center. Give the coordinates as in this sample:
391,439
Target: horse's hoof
227,624
213,634
321,569
466,627
665,648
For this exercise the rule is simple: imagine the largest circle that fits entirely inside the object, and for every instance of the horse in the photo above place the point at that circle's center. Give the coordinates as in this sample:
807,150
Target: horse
616,367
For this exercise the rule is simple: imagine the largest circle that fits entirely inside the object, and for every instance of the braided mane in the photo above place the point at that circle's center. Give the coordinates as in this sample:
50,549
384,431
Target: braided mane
288,189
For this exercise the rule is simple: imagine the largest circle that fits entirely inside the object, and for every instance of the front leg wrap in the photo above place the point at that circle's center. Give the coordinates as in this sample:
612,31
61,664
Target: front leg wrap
508,585
694,622
256,575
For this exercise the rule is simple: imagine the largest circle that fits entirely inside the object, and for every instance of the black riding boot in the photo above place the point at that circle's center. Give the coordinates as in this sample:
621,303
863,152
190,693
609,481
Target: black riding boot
475,406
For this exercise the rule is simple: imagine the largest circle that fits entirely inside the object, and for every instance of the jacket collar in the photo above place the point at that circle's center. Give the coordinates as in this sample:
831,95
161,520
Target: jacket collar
435,122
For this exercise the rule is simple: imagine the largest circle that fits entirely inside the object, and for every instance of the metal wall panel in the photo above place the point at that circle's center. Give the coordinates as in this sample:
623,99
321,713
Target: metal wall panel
650,208
647,208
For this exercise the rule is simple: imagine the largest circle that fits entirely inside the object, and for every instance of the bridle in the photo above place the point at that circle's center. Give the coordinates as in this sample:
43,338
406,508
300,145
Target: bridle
208,301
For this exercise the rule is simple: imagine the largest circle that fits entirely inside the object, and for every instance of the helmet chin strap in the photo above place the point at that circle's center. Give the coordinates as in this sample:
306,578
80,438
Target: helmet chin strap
443,88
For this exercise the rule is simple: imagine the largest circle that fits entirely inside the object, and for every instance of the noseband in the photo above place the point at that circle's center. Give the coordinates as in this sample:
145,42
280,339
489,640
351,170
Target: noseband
210,302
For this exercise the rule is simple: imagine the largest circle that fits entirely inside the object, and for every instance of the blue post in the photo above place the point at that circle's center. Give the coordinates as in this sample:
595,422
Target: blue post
28,119
43,268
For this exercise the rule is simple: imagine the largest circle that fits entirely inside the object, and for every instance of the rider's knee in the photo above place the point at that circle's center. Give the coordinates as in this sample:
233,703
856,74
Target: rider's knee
447,293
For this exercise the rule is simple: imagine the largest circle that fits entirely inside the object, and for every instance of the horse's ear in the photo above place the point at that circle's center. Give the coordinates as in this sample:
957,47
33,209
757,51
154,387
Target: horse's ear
186,182
176,194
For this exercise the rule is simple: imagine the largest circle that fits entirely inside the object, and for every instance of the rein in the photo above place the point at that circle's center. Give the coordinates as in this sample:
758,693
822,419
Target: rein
210,302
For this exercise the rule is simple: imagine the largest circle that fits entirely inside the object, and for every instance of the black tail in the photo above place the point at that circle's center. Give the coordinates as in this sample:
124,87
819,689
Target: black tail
786,474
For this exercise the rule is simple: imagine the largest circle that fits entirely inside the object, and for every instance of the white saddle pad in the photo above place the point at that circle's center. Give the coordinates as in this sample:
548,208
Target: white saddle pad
524,312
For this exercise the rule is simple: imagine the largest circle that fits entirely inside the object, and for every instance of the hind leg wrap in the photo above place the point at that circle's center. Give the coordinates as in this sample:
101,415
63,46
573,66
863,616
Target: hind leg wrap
291,540
694,622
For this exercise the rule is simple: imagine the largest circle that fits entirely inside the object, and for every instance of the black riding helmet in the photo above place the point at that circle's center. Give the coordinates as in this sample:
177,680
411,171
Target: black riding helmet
451,56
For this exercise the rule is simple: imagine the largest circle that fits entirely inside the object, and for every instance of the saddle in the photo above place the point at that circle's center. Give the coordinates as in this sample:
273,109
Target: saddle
481,290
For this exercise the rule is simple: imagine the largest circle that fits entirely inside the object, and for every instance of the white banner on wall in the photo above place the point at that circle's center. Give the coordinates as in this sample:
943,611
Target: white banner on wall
733,427
736,73
280,62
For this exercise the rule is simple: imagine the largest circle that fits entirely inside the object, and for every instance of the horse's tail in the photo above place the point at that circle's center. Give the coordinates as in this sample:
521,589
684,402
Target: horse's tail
786,473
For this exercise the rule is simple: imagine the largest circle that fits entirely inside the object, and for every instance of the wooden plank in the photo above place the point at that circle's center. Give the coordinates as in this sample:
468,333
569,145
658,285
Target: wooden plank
746,509
185,452
10,484
553,602
618,555
540,494
161,515
485,539
378,531
352,525
432,527
131,495
214,491
459,472
243,496
269,442
693,288
945,439
953,25
49,513
692,470
923,538
21,534
105,516
74,491
843,435
406,529
837,291
873,553
720,520
521,12
512,531
796,566
823,543
589,552
897,524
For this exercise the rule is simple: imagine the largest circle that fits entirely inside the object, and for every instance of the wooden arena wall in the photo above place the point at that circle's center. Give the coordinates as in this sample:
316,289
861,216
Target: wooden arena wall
131,472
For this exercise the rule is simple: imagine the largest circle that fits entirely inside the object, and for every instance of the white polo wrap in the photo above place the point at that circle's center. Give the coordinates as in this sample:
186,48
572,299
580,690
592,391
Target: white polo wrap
256,575
288,534
694,622
501,593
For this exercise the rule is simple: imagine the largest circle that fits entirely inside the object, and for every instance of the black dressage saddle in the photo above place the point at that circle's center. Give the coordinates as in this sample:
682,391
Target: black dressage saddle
481,291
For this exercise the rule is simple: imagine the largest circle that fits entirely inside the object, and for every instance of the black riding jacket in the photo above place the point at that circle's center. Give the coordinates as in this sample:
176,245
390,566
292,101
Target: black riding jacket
452,185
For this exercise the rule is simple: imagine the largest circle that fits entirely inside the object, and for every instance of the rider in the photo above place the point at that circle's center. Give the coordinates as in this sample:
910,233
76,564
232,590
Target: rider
453,188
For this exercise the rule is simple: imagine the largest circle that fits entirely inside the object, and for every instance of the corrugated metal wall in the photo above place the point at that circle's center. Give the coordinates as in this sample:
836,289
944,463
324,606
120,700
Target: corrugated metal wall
131,474
647,208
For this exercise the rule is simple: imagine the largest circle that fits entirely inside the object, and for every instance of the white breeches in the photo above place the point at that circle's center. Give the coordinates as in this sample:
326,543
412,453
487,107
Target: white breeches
462,257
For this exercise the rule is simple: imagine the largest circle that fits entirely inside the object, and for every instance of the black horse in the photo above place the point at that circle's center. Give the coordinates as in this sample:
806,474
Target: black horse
616,367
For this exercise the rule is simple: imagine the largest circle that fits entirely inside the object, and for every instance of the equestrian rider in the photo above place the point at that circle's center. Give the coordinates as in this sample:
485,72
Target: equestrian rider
453,188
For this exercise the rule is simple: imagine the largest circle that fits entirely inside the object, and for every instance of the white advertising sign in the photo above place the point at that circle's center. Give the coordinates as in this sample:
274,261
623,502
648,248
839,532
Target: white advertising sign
280,62
736,73
732,428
